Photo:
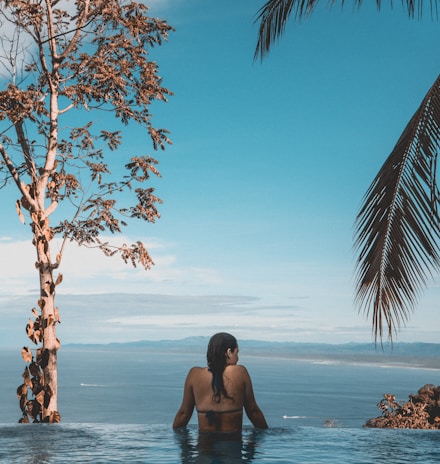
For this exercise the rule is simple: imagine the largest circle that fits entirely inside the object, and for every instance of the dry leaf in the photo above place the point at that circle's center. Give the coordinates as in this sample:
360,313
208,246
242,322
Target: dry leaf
34,369
27,378
44,358
46,400
59,279
33,409
20,214
37,336
23,401
55,417
22,390
40,397
26,354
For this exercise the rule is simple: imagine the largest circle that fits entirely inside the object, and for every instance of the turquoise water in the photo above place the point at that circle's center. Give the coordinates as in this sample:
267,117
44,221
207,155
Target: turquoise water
117,406
156,444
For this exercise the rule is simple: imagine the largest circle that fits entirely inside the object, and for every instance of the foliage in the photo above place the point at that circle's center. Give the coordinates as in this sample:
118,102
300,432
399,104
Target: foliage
274,14
398,226
62,63
421,411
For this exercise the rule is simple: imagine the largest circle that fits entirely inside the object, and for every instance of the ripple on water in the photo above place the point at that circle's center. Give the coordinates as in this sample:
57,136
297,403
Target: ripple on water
158,444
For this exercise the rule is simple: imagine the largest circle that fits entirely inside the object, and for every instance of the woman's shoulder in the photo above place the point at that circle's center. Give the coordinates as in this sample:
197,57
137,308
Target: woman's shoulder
237,369
196,370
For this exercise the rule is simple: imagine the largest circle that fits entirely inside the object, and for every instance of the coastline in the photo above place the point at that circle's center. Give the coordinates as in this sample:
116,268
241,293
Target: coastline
399,355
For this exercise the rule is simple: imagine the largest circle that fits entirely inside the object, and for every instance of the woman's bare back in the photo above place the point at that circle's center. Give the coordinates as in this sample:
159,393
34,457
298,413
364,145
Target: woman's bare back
225,415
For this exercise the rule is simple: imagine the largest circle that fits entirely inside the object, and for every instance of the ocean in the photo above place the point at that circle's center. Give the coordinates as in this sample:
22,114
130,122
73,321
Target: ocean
117,405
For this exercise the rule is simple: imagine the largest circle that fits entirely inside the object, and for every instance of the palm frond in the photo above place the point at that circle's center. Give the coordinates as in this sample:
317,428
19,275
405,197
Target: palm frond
398,227
273,17
274,14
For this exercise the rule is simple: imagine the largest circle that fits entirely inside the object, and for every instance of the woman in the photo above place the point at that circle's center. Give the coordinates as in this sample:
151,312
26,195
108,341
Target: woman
220,391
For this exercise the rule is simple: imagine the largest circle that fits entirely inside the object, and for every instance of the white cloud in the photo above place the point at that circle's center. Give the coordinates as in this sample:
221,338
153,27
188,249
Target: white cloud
103,300
88,270
124,317
117,317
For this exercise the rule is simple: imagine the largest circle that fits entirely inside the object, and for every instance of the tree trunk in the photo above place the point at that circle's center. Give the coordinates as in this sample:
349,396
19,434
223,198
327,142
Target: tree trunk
42,237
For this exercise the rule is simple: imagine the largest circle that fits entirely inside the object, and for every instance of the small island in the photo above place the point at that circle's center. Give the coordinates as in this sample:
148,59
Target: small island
421,411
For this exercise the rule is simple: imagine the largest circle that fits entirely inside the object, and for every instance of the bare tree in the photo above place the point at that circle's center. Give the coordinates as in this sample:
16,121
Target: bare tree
398,227
62,62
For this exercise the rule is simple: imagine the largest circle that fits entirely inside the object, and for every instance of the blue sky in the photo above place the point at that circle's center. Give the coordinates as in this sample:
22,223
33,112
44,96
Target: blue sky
261,186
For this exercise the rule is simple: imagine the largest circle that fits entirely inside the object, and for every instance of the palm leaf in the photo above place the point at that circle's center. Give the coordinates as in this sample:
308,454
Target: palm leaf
273,16
398,227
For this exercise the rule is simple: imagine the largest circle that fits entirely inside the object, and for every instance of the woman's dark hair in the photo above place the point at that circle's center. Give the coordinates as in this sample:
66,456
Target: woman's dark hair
216,357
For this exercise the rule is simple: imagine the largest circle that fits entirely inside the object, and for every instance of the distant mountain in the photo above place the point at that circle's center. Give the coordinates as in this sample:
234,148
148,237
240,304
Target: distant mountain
413,354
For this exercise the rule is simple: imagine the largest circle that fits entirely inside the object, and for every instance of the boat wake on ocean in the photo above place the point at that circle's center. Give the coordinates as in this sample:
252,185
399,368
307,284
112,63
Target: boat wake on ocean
299,417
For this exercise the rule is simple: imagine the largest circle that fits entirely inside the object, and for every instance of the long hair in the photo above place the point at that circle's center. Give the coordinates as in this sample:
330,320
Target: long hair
216,357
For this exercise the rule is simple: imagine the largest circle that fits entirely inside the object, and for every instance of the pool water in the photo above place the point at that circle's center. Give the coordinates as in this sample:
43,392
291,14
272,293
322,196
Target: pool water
157,444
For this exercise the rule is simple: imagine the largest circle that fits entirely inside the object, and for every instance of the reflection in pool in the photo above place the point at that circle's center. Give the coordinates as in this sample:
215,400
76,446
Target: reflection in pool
159,444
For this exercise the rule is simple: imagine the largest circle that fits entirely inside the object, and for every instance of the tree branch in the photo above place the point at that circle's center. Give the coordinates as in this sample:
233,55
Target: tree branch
16,176
22,140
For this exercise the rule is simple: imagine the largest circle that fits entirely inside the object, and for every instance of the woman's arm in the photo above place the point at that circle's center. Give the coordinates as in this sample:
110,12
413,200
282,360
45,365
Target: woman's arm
253,412
187,407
